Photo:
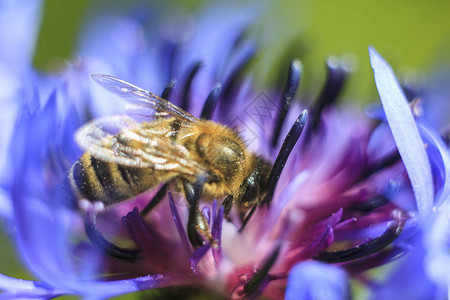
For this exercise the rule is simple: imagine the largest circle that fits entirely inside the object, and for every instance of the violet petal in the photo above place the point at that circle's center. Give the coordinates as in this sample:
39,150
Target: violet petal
179,224
198,255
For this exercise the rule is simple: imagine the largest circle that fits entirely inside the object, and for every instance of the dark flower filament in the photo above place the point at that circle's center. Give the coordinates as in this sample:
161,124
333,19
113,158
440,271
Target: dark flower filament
187,86
288,93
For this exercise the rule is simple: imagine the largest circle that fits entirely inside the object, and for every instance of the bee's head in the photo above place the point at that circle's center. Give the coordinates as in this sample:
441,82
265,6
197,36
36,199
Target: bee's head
255,185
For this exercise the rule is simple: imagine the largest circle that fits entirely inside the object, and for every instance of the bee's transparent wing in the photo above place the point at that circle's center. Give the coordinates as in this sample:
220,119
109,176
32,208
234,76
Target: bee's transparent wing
142,97
121,140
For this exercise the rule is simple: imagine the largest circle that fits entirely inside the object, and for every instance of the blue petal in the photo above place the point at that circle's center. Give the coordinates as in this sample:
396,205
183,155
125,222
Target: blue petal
405,133
26,288
19,25
315,280
441,154
437,262
408,279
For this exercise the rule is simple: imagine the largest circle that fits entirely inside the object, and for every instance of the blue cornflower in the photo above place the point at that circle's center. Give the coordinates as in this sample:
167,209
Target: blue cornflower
340,182
18,23
428,161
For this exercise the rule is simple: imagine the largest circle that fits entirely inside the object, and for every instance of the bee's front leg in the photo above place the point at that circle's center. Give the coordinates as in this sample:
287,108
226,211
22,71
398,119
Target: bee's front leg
227,205
198,227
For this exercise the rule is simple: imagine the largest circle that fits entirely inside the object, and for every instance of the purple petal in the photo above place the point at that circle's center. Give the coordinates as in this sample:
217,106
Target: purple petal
405,133
179,224
314,280
206,211
216,230
198,255
321,239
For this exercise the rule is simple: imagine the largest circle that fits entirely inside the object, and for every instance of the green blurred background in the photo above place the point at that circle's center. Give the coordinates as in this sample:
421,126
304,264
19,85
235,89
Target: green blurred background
410,34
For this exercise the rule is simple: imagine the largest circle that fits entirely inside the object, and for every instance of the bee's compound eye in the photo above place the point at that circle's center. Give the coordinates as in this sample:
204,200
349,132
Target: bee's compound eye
251,192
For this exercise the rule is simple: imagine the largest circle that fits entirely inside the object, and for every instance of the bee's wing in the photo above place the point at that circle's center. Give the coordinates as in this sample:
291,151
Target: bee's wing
121,140
142,97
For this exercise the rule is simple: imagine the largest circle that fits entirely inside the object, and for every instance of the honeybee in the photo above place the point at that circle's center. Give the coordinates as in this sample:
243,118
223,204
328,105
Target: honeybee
124,157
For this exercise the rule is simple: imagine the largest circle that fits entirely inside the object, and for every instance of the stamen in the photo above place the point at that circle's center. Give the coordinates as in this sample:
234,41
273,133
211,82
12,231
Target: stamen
385,162
101,243
187,85
336,76
168,90
240,38
159,196
211,102
410,91
375,260
288,144
252,288
371,204
288,93
234,78
170,53
392,232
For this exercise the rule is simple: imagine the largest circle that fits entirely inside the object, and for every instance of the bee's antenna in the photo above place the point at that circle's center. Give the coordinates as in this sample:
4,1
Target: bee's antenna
288,93
288,144
211,102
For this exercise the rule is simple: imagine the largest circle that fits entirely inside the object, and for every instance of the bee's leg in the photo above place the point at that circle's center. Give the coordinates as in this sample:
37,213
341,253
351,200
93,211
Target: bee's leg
159,196
227,205
198,227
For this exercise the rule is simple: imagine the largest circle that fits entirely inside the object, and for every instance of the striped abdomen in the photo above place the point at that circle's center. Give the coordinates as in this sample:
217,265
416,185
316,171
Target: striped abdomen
110,183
